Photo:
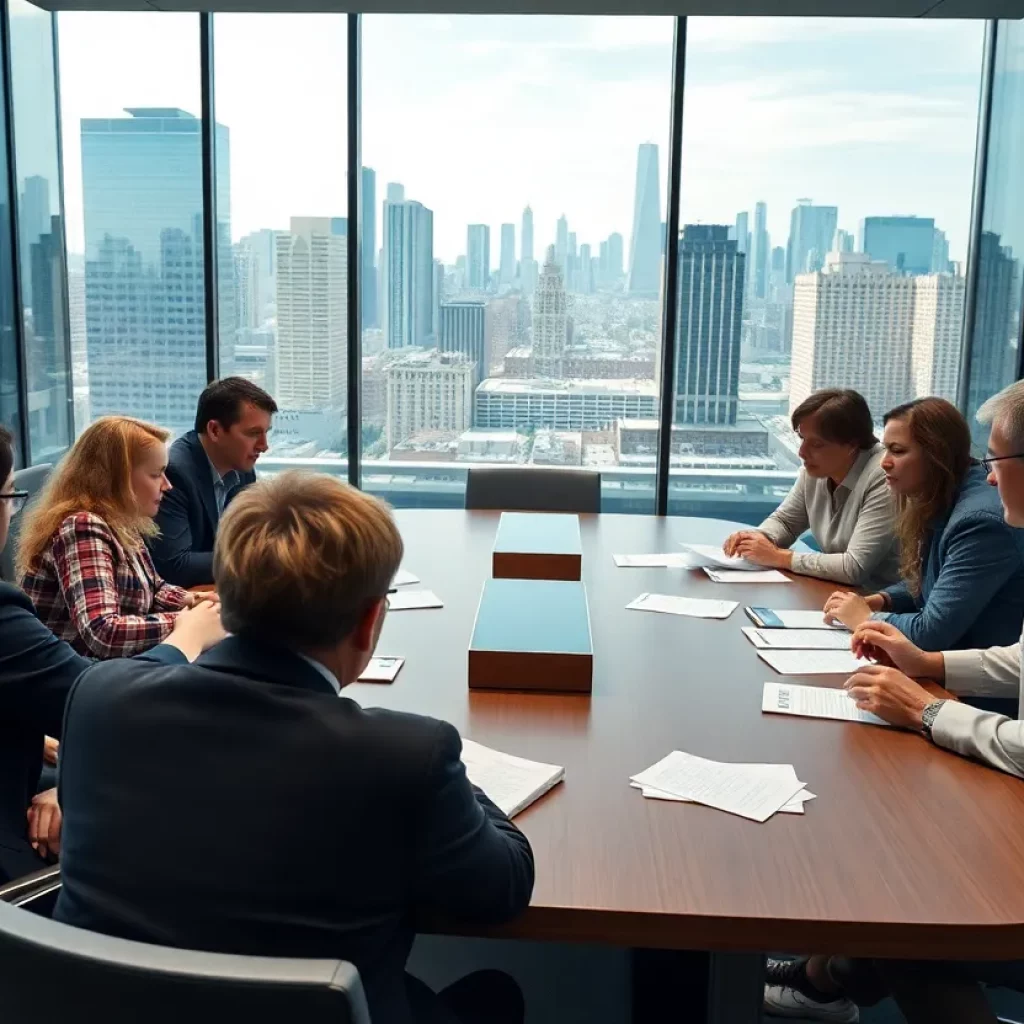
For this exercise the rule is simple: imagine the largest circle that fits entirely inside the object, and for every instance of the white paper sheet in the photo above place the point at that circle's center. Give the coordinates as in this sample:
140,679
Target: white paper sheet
671,604
800,619
795,806
798,639
513,783
814,702
746,575
750,793
382,670
713,555
403,577
406,600
675,560
813,663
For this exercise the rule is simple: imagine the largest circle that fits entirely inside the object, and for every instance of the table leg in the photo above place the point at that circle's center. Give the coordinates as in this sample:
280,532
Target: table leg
735,988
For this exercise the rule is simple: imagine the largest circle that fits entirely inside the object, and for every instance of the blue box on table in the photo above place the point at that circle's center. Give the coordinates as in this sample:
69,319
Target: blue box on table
537,546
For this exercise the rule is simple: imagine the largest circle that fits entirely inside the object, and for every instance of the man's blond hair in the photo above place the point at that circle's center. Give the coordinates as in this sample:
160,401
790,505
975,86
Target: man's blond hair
300,557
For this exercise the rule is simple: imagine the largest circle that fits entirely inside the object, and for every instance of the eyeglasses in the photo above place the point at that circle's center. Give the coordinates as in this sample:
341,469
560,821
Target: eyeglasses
17,500
987,460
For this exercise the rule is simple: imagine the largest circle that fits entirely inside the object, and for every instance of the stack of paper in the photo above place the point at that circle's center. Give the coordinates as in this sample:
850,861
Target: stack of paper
405,600
788,618
700,555
382,670
670,561
746,575
798,639
671,604
513,783
814,702
813,663
755,791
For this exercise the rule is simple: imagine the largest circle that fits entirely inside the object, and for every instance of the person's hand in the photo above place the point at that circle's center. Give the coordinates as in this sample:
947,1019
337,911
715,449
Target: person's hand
197,629
884,643
890,694
50,748
730,544
848,608
44,822
757,548
198,596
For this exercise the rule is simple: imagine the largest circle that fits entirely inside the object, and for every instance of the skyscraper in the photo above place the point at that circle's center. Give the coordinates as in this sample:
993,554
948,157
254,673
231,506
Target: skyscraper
312,315
585,271
527,239
478,256
993,349
711,278
463,329
758,257
395,193
408,299
255,277
34,222
843,242
368,248
145,321
905,243
938,326
428,391
550,320
507,266
561,241
742,230
615,256
645,243
570,262
811,230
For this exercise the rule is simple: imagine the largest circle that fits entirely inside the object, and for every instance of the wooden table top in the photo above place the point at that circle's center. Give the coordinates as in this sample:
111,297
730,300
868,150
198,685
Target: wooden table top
907,850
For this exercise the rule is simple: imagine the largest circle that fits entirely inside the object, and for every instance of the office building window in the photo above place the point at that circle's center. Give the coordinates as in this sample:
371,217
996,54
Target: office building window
514,192
826,190
10,400
130,101
280,103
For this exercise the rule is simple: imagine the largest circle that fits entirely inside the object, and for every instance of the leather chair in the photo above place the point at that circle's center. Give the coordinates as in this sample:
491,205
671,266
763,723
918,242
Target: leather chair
537,489
31,480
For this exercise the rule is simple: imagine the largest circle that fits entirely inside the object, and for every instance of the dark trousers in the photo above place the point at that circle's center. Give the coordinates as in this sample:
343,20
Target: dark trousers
483,997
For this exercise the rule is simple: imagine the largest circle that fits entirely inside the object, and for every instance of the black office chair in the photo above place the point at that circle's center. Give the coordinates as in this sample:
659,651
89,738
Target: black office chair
537,489
36,892
51,973
31,480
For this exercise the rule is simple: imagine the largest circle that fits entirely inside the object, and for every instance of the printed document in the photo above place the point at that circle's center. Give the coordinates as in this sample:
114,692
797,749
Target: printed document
795,806
513,783
671,604
746,575
813,663
814,702
406,600
382,670
798,639
713,555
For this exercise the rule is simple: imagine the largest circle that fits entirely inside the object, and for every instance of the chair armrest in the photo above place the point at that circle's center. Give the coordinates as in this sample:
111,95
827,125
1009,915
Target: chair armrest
31,887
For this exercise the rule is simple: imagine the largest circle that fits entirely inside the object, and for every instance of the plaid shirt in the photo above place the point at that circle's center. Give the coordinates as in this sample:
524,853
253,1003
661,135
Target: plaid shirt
105,601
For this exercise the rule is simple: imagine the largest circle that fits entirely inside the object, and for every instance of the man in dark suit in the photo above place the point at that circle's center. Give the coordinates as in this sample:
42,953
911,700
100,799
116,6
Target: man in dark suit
36,673
207,467
248,807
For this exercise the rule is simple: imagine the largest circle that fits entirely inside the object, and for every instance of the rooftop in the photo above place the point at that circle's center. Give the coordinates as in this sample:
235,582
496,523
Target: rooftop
522,386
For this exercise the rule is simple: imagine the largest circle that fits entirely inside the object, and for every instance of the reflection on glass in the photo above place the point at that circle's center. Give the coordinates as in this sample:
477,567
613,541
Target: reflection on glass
9,396
40,230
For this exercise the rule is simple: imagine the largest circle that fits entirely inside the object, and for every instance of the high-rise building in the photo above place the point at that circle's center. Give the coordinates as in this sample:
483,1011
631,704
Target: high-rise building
428,391
561,241
615,256
993,350
711,277
395,193
843,242
255,277
905,243
940,253
142,206
33,223
645,243
478,257
742,231
811,230
550,320
585,271
507,266
527,240
408,274
758,258
571,258
852,327
312,315
937,330
368,249
464,329
436,298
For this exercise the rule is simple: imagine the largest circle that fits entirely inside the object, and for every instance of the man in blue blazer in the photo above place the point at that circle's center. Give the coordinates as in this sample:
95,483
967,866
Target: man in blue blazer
207,467
249,807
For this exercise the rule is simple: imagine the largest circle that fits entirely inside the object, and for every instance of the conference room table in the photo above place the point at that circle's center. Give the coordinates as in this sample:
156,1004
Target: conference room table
907,850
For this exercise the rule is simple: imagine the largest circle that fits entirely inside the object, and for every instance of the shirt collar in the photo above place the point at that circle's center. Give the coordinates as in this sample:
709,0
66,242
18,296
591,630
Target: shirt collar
227,479
324,671
855,471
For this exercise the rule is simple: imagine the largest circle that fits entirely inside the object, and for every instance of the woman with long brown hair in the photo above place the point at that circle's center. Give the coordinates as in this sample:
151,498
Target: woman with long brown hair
962,566
82,556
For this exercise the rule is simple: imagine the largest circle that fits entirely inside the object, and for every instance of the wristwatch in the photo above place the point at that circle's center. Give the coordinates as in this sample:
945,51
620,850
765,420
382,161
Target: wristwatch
928,716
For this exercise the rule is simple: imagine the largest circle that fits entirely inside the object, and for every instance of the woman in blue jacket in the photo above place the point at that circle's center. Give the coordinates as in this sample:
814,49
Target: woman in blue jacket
962,567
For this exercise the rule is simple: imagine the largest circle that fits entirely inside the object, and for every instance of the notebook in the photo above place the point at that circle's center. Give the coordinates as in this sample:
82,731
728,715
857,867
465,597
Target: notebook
513,783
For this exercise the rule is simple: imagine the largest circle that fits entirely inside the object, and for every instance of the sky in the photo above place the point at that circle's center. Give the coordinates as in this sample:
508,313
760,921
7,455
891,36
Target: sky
479,116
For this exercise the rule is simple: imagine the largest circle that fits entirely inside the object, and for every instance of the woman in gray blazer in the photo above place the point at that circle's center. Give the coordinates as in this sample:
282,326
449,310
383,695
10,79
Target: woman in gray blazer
840,496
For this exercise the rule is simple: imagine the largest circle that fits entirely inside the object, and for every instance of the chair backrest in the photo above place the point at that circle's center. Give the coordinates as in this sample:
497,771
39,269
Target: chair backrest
515,489
51,973
30,479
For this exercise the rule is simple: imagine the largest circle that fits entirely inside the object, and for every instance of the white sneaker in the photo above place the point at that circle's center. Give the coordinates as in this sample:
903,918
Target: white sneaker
783,1001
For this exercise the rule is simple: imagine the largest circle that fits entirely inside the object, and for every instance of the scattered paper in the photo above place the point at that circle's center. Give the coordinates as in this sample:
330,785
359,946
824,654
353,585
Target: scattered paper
750,791
513,783
746,575
798,639
713,555
792,619
814,702
406,600
813,663
795,806
382,670
403,577
670,561
671,604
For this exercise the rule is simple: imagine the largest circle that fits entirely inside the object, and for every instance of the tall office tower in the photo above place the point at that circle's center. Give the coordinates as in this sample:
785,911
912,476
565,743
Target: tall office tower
550,320
368,249
436,298
843,242
528,273
811,230
33,223
255,277
905,243
478,257
758,257
312,315
585,271
742,231
145,319
645,243
561,241
995,321
507,266
571,257
711,278
527,240
428,391
395,193
940,253
408,263
852,328
938,325
615,251
464,329
602,278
